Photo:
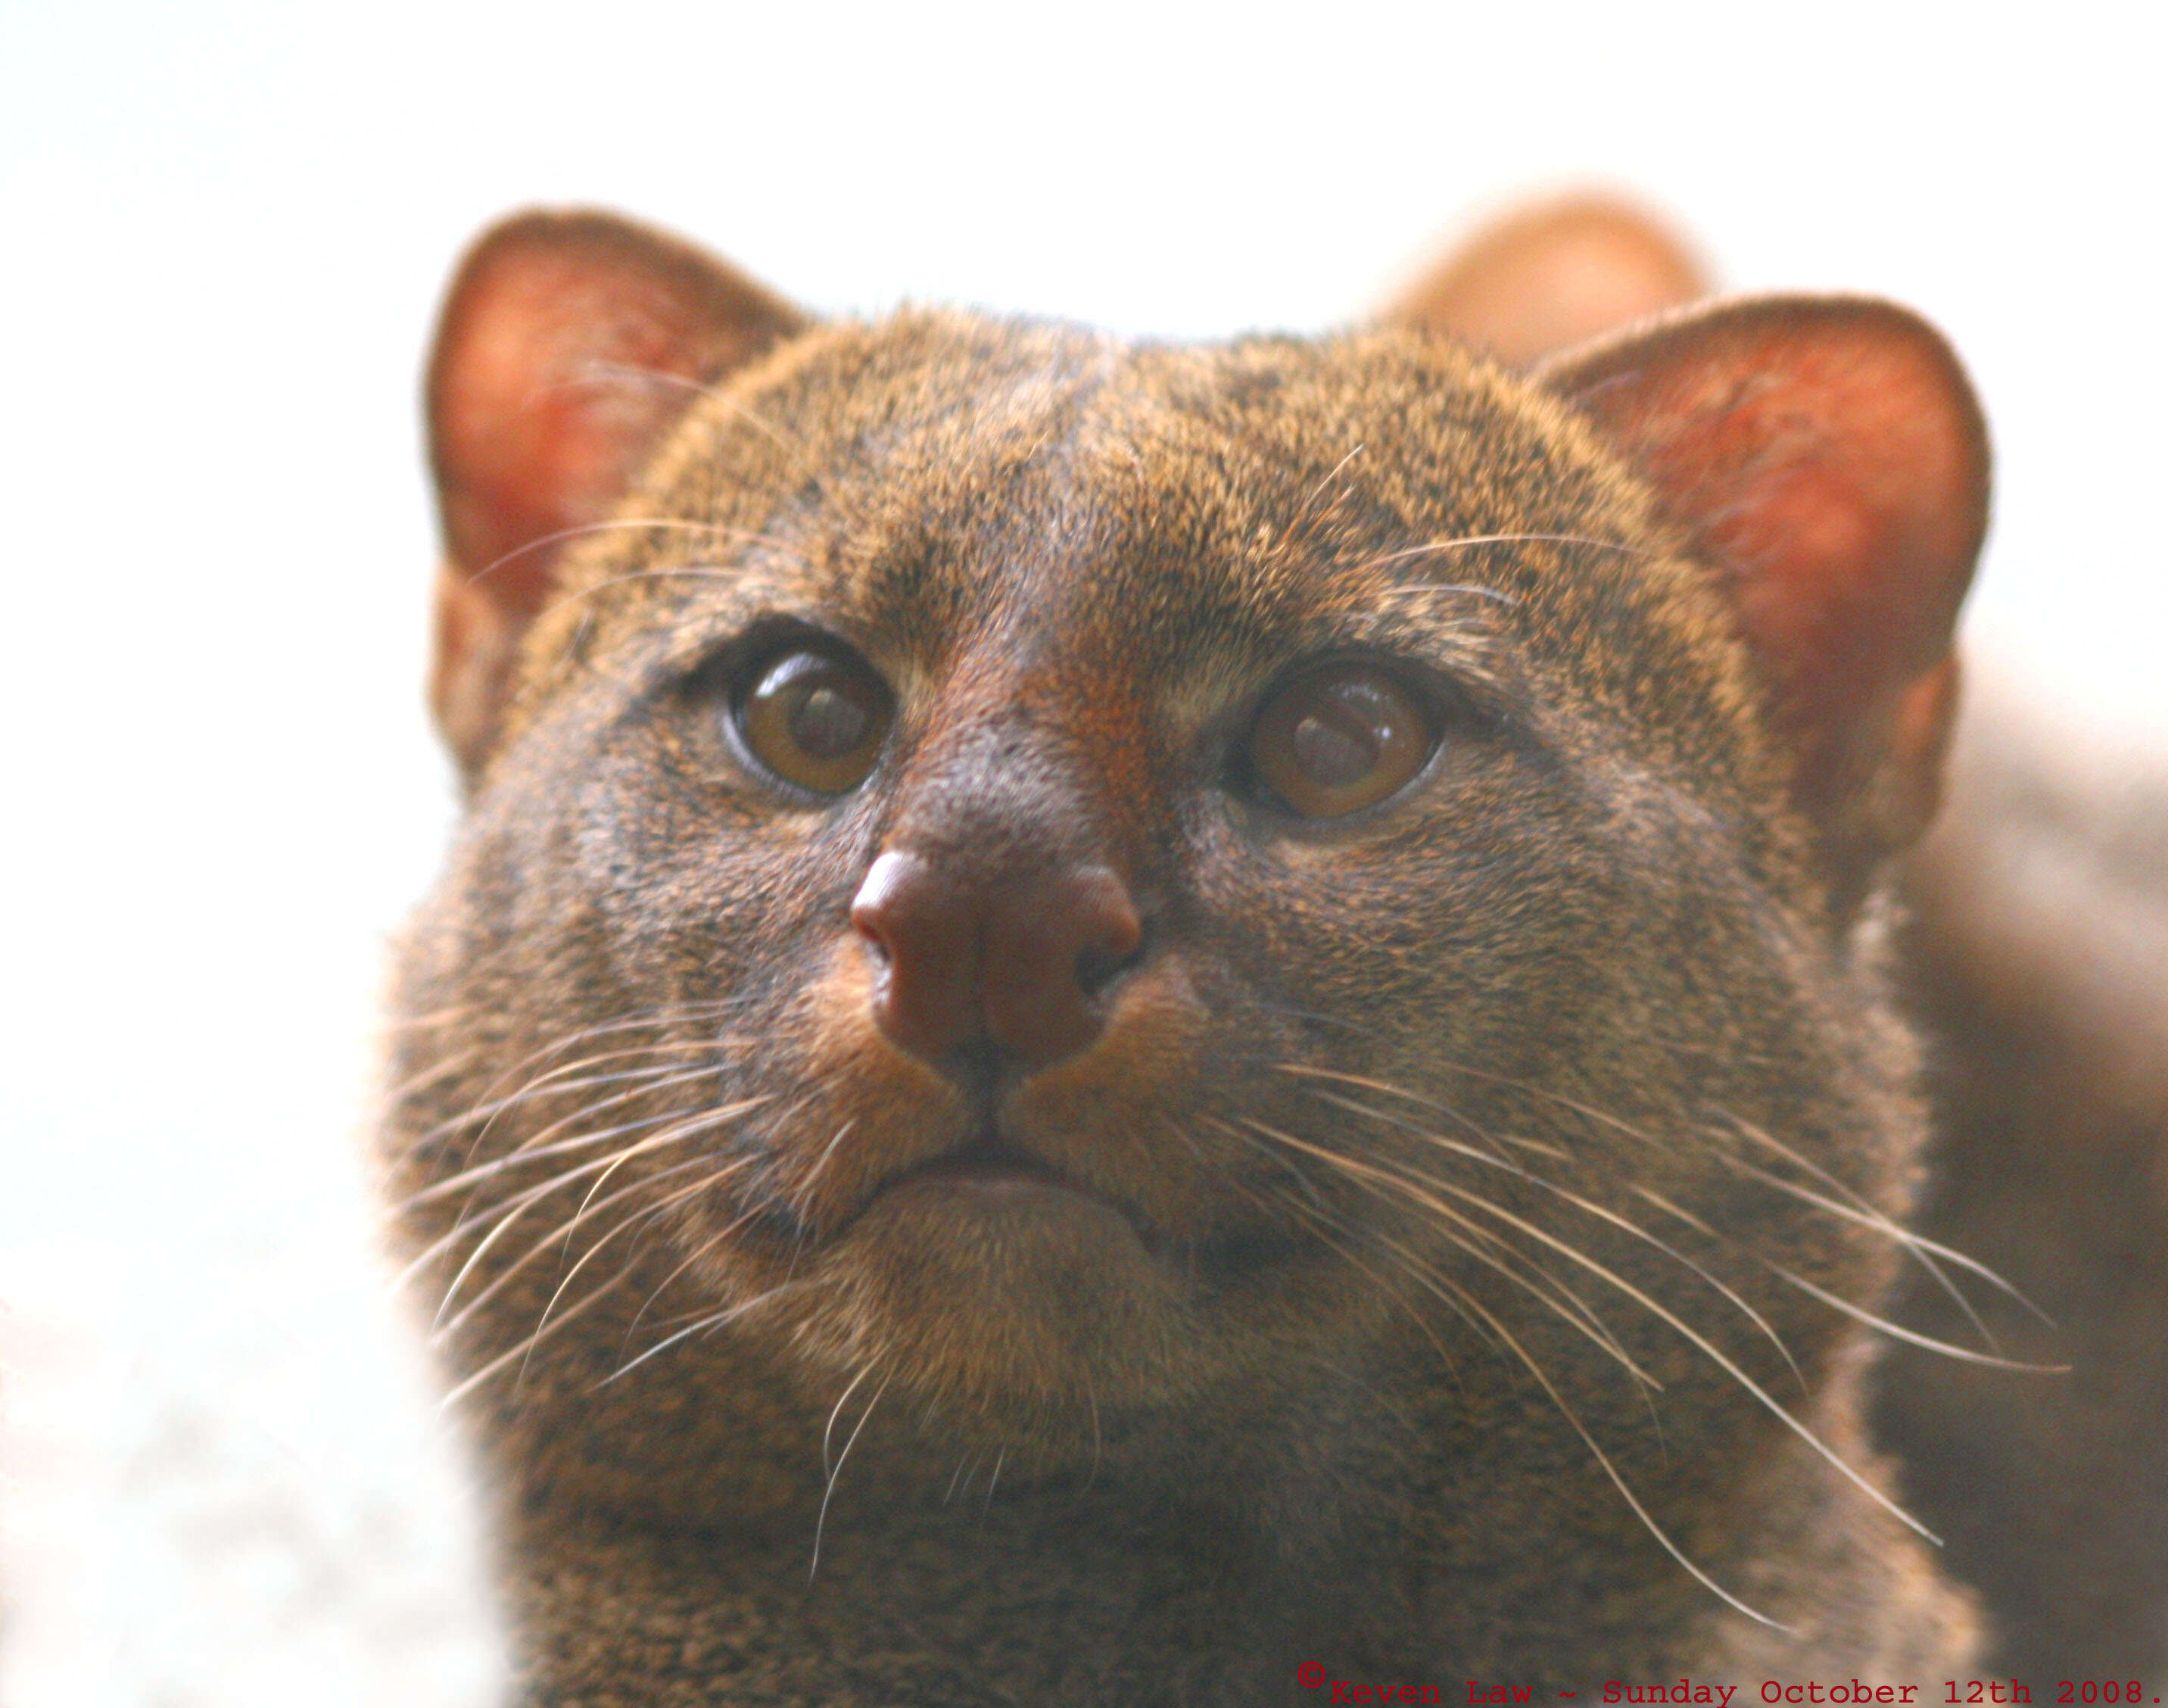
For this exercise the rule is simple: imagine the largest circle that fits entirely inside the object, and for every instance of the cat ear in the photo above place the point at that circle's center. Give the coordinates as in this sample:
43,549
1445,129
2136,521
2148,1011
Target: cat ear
568,345
1552,275
1827,458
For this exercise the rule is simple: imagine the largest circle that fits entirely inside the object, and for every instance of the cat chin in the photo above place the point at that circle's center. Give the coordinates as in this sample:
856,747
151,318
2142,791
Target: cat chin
1027,1300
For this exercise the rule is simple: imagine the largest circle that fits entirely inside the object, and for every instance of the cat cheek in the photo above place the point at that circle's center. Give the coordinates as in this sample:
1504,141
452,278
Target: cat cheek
1116,1116
867,1110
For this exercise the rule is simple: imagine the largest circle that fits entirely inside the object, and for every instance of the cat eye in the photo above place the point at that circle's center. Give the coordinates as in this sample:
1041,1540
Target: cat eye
1339,738
816,718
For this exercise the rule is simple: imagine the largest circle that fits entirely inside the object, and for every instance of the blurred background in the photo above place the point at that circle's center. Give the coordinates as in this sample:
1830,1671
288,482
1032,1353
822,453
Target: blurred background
225,226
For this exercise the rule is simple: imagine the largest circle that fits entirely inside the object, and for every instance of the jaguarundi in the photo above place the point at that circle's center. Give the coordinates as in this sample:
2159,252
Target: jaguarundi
1115,1022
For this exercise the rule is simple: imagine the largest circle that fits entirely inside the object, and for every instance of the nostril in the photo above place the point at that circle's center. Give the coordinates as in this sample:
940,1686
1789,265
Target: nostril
1095,970
1109,936
1098,965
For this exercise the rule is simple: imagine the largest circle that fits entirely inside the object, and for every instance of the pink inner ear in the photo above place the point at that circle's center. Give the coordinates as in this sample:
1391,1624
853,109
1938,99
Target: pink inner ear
1827,458
570,343
1832,487
542,415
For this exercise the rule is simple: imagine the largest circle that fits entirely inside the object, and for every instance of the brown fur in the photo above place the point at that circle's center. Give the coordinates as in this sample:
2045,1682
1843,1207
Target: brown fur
1442,1183
2036,956
2038,961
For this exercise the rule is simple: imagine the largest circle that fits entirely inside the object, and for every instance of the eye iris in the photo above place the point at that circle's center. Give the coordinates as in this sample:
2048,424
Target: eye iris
817,720
1338,740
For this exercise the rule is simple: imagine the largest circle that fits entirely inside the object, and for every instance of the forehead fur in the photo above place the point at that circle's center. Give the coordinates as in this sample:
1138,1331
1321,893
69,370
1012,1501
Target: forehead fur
938,478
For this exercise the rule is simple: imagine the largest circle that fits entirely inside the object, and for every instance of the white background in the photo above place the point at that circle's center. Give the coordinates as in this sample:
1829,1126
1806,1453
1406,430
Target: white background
222,232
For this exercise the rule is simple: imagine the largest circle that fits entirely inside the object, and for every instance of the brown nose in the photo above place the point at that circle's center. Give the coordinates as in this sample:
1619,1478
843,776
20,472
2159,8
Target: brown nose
1021,961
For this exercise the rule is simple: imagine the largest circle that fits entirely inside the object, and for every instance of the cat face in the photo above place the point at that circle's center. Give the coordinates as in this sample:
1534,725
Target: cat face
1082,883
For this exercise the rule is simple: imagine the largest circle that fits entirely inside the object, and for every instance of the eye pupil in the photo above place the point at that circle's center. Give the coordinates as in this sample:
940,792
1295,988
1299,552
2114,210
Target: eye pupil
1337,743
827,724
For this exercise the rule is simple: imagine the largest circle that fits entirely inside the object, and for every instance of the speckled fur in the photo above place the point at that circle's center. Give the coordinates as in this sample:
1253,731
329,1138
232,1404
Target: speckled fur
1577,974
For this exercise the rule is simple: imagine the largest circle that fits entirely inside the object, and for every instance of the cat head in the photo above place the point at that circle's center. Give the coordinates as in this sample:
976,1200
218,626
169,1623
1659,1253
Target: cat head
1086,883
